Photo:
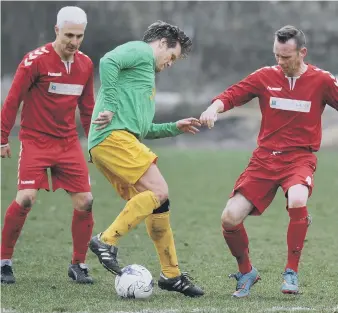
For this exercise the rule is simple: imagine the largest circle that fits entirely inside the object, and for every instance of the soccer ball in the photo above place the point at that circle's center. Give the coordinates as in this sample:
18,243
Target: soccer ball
135,282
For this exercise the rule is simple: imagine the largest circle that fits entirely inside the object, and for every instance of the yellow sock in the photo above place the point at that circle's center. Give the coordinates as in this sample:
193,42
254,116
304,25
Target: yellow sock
158,227
135,211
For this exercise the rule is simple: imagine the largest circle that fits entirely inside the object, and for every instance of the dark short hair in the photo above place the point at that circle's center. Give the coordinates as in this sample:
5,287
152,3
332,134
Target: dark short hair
171,33
290,32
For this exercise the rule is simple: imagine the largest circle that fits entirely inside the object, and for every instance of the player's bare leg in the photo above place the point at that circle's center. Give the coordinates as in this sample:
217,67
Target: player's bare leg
82,226
235,212
13,223
299,222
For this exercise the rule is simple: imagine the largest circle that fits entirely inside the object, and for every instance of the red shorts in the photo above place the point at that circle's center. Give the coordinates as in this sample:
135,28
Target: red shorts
64,157
267,170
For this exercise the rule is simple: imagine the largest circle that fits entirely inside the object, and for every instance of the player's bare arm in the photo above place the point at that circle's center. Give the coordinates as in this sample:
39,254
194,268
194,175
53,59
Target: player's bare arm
189,125
209,116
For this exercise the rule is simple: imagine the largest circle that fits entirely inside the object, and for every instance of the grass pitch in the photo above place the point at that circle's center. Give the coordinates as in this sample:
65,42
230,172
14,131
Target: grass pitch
199,182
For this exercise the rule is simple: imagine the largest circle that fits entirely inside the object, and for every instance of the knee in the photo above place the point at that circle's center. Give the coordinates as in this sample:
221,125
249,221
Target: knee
229,219
231,216
296,202
26,200
84,202
162,193
297,196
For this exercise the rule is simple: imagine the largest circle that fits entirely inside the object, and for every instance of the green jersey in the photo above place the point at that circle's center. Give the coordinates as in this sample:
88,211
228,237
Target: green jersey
127,76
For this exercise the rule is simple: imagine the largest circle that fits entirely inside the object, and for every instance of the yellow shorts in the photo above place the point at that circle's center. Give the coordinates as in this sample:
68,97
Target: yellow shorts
123,160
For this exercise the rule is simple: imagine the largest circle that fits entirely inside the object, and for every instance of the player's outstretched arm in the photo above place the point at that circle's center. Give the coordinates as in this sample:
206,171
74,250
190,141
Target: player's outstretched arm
236,95
164,130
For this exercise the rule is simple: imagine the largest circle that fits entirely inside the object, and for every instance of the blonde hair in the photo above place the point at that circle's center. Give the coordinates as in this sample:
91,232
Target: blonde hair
71,14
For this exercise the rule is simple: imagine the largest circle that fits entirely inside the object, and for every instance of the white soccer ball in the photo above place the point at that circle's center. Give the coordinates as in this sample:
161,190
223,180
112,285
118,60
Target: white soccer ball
135,282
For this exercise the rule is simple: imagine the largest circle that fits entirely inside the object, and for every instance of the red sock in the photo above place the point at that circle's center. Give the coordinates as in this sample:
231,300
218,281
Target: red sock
13,222
238,243
82,227
296,235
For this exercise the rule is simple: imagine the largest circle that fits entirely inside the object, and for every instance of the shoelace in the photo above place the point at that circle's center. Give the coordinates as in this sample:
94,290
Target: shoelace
85,272
237,276
185,281
290,278
84,269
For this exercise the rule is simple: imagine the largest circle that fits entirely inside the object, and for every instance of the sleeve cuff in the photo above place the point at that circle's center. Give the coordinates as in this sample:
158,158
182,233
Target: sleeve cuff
175,130
226,105
4,140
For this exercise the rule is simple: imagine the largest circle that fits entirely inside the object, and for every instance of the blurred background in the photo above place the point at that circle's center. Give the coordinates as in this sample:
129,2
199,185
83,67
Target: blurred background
231,40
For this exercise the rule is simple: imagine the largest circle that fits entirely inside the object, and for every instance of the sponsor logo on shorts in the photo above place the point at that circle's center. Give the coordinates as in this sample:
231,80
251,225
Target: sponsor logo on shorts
27,182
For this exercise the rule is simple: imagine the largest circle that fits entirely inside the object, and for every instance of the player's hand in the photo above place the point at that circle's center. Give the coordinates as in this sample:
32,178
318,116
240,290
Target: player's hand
188,125
6,151
103,120
209,117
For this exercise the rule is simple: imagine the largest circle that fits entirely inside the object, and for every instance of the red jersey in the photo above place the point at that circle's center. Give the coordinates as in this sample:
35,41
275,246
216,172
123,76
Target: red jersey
291,107
50,89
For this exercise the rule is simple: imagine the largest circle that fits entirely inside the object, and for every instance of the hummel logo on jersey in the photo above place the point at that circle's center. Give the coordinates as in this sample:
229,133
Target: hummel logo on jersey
274,88
27,182
54,74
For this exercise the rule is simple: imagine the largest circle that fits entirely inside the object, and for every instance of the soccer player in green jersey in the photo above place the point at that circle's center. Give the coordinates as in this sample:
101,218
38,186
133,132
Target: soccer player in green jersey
126,97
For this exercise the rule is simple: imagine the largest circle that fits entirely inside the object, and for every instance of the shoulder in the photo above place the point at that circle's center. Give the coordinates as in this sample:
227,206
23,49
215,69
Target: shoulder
321,74
140,46
35,56
84,57
84,61
266,70
135,49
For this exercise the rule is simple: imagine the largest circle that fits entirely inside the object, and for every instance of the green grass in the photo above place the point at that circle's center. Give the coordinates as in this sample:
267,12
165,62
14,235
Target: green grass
199,182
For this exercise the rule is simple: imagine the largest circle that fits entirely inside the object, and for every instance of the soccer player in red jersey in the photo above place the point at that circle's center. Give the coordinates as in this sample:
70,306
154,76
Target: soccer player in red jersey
292,97
51,81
